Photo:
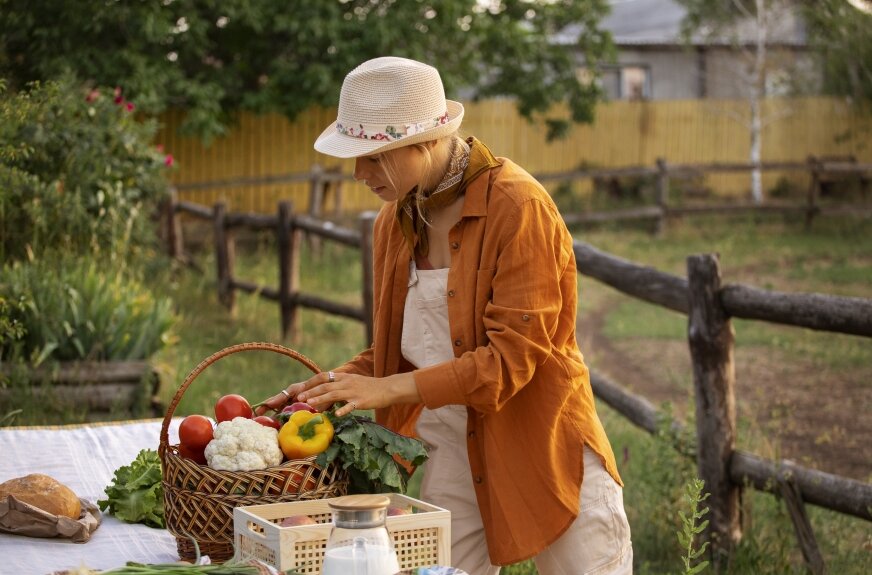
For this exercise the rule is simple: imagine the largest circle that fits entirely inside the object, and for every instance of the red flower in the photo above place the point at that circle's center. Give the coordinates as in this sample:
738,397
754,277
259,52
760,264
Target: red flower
168,160
92,95
129,106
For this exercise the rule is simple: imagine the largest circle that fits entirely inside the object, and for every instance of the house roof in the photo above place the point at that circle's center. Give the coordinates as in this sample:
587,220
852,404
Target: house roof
658,22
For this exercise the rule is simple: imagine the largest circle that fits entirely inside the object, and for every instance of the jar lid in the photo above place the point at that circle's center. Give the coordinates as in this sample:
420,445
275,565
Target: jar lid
359,502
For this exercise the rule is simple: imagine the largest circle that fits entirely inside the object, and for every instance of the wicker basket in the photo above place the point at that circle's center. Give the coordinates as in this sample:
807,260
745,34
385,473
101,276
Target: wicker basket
199,500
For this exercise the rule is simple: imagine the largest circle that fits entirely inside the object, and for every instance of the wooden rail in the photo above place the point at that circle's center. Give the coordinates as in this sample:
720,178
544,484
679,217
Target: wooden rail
821,171
289,228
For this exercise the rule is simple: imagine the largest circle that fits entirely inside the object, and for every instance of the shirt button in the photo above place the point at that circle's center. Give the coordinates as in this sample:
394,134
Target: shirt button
458,343
455,245
451,293
525,317
478,479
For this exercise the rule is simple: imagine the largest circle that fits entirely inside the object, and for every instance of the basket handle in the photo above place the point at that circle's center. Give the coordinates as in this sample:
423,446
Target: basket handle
164,430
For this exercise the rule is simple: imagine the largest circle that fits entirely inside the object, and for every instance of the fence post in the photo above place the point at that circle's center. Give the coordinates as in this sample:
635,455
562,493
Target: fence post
316,204
710,335
172,226
289,269
814,190
224,256
662,194
336,186
367,220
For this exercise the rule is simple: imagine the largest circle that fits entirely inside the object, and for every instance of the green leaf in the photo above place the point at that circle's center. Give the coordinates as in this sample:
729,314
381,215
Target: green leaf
136,494
367,450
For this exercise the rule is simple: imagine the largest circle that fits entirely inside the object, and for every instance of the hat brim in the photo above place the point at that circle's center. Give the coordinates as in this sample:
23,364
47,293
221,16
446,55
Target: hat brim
338,145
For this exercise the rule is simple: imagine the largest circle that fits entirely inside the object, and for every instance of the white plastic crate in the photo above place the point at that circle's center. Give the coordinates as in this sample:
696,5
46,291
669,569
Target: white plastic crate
421,538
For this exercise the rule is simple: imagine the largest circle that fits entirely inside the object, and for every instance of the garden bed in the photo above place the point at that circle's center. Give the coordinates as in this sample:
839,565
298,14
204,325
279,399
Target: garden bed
106,386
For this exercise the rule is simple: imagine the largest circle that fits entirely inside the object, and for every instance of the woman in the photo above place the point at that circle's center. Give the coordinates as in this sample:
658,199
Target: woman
474,345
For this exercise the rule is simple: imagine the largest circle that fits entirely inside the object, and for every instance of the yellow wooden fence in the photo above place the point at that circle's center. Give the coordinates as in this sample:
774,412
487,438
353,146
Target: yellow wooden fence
624,134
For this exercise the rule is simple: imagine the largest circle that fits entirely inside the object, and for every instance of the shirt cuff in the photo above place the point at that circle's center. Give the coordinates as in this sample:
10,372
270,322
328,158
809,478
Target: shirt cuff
439,385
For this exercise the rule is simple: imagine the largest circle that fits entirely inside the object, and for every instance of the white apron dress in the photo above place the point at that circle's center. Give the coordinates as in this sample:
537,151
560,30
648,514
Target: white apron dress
447,479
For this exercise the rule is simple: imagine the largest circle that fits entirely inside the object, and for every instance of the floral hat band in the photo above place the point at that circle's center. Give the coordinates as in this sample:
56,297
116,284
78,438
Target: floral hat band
389,133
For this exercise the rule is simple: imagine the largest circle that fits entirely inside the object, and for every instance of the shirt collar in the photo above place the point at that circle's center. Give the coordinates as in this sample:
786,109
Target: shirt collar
481,161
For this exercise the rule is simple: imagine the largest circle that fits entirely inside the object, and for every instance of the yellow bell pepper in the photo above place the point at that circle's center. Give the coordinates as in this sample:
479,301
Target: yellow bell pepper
305,434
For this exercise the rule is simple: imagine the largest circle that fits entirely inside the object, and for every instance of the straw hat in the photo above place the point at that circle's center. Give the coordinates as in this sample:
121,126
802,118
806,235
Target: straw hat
387,103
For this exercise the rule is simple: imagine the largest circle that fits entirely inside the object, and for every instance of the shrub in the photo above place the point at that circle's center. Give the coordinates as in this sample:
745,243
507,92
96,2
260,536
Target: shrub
78,172
72,310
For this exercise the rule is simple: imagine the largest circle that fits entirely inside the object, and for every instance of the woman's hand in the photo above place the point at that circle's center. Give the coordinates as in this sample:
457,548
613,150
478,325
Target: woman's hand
355,391
279,400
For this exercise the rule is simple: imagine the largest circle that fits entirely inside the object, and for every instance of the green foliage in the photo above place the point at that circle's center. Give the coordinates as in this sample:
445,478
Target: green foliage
367,449
78,172
11,328
692,527
214,57
74,310
841,36
136,494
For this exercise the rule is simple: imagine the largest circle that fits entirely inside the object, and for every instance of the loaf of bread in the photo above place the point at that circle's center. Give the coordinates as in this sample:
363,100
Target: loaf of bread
44,492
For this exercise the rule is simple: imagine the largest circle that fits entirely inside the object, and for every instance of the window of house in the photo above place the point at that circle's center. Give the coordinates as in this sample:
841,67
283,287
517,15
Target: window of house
635,83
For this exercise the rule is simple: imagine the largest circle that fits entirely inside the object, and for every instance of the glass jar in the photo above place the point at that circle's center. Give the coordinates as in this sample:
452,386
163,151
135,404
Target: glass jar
359,542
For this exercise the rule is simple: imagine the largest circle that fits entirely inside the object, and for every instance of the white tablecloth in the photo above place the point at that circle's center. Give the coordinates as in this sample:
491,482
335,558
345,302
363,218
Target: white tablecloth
85,459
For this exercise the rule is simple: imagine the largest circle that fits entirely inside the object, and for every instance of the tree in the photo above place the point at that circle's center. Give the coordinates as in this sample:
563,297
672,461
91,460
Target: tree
841,34
748,25
215,57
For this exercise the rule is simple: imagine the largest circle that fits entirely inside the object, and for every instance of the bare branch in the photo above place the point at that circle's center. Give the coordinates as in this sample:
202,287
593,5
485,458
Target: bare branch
740,6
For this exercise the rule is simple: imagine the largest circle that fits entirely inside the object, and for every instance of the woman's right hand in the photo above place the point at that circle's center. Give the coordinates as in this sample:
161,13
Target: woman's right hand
279,400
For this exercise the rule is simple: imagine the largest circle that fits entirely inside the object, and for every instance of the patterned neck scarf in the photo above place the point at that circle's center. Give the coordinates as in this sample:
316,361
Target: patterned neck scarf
468,159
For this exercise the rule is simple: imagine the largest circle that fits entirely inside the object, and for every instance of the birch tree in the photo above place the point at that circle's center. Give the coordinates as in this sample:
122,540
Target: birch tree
749,27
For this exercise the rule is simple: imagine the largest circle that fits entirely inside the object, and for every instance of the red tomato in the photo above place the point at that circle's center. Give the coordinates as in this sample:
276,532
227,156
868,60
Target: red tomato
230,406
268,421
192,453
195,431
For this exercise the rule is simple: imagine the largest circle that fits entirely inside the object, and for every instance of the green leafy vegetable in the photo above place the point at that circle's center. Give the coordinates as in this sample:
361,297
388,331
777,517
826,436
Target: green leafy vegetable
136,494
367,449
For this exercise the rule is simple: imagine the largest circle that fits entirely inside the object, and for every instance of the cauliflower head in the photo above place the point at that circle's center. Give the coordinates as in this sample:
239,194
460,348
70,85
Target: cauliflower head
243,444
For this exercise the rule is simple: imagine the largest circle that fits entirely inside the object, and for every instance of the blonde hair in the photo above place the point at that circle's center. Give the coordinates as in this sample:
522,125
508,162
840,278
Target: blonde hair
436,155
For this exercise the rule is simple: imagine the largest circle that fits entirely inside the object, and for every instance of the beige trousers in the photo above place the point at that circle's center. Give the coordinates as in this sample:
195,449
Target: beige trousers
597,542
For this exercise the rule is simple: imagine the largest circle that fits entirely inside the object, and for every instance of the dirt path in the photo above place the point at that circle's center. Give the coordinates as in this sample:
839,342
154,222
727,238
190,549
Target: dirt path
817,419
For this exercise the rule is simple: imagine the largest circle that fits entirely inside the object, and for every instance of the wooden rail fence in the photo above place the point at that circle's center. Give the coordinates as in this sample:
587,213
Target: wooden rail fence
823,172
709,306
288,228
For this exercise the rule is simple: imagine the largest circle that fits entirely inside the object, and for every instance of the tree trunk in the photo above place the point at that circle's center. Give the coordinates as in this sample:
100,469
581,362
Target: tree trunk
758,91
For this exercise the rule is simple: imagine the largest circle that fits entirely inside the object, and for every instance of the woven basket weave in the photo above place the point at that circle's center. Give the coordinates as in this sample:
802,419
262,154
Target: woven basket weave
199,500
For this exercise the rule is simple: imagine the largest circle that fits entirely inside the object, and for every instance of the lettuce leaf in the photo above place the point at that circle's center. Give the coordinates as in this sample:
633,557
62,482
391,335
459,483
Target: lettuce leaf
136,494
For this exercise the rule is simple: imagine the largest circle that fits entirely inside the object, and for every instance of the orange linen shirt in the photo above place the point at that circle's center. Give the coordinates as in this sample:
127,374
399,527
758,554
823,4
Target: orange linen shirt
512,296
